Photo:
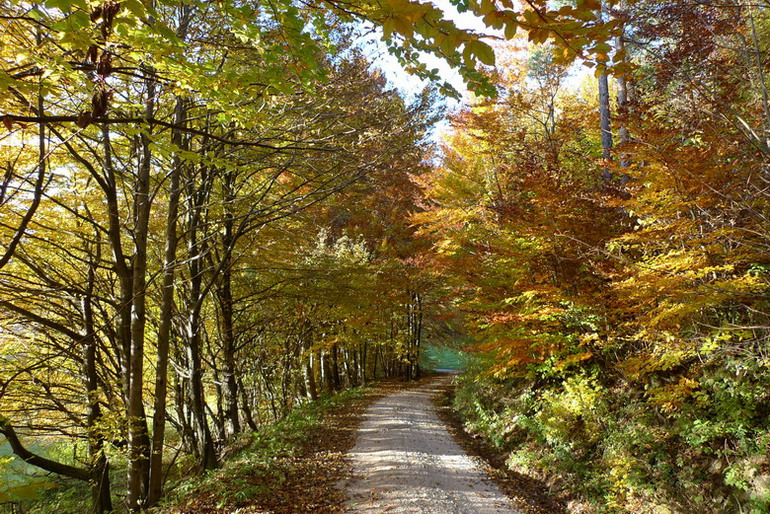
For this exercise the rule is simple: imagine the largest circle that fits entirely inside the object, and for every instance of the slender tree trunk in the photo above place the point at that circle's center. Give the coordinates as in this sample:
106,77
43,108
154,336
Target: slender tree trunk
335,365
267,379
622,83
410,327
351,366
246,406
604,115
377,352
417,334
623,134
122,265
364,348
100,477
196,203
326,380
166,316
138,438
155,487
309,372
229,383
208,458
181,403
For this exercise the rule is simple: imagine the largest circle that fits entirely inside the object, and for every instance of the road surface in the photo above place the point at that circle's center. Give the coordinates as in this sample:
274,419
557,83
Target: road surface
404,460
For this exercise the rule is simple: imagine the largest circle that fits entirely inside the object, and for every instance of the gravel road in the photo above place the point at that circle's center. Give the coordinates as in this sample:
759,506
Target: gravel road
404,460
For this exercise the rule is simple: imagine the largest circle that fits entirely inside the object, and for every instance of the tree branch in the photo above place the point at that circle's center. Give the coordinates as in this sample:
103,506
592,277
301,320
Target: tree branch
15,118
36,460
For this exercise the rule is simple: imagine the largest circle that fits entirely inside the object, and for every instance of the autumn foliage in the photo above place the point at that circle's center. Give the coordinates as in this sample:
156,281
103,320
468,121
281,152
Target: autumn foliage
212,213
620,306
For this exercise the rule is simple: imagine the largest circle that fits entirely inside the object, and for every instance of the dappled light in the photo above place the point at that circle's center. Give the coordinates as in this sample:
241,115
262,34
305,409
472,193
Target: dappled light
406,461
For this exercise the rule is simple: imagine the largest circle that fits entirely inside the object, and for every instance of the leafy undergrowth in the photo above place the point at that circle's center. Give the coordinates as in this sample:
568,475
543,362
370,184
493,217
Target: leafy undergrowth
51,493
607,446
292,466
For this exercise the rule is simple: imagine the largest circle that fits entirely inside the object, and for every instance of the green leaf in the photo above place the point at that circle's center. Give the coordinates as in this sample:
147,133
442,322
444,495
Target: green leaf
510,30
63,5
483,52
388,27
135,7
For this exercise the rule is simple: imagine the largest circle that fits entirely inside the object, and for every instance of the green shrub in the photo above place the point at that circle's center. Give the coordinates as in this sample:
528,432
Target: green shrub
694,440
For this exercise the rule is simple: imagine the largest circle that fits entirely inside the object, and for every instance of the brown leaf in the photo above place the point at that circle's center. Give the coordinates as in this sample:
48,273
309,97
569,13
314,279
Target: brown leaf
84,119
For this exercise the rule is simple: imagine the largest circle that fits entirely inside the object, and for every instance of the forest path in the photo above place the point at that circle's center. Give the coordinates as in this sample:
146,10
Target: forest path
405,460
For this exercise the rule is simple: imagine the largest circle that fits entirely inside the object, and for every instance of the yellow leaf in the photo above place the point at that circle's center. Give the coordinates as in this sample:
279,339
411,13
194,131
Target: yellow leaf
403,26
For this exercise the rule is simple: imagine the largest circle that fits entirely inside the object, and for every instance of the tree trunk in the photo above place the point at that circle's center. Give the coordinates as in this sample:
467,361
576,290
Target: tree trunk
155,488
229,382
138,438
604,115
309,372
246,406
622,82
100,477
197,403
364,348
417,334
409,339
166,315
122,266
206,451
377,350
326,380
335,368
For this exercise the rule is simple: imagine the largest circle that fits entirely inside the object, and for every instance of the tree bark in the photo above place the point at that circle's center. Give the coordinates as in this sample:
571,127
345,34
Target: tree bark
99,466
197,403
138,437
335,365
166,316
604,114
309,371
417,334
225,293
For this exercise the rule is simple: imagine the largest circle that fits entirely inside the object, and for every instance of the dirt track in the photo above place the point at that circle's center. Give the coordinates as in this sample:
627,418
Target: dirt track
404,460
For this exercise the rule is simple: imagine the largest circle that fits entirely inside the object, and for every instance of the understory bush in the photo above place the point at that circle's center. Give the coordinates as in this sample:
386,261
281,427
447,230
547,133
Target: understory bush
633,445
